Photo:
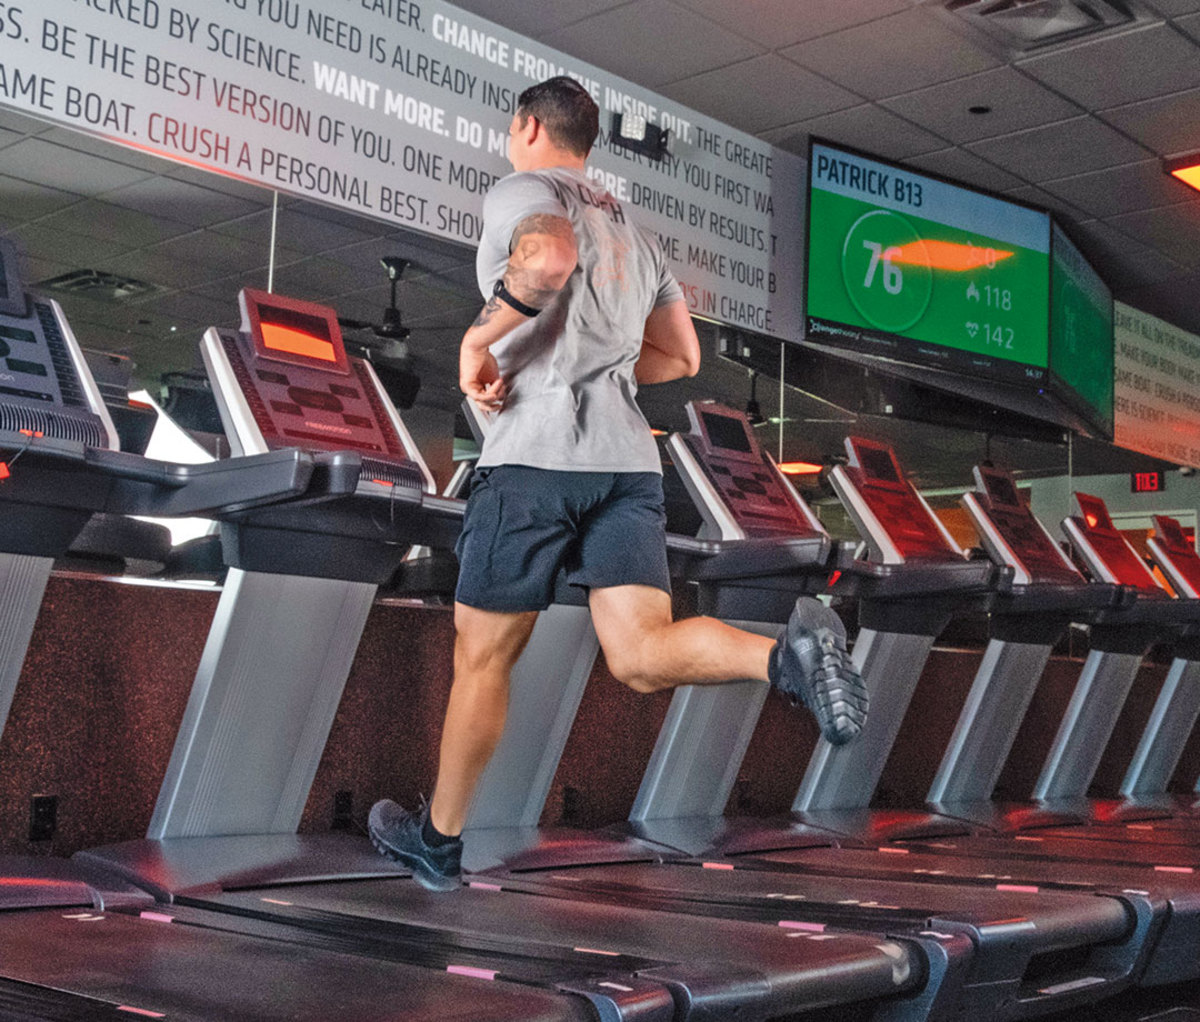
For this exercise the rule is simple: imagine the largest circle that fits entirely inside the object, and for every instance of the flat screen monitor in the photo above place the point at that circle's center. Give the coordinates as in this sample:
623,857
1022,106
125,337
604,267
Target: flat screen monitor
1000,488
1081,336
726,434
909,267
297,332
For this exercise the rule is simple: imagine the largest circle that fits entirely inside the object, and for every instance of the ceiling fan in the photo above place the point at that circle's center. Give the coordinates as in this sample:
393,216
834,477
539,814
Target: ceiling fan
385,344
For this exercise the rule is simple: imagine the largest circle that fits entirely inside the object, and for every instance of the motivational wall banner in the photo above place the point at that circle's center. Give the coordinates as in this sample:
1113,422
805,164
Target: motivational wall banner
399,110
1157,393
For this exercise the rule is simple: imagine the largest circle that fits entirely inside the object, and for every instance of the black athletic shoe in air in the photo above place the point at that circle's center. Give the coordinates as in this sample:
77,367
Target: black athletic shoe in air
810,665
396,835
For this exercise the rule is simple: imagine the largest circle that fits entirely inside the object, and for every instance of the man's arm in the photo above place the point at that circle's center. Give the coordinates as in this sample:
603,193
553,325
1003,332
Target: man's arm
670,347
542,256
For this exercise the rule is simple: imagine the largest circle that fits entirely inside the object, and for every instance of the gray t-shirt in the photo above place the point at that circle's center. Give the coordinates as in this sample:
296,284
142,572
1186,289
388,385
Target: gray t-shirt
570,404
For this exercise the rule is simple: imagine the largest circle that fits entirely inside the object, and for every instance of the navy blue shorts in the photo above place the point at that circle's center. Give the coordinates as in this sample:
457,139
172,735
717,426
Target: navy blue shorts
524,525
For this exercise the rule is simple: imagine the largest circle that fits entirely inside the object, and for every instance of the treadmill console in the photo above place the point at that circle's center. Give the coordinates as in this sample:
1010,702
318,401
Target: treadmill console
1176,555
736,485
1105,551
1012,535
890,515
285,380
45,386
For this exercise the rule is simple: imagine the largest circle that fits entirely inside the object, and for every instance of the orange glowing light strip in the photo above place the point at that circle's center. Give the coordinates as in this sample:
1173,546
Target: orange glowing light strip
296,342
947,255
799,468
1188,175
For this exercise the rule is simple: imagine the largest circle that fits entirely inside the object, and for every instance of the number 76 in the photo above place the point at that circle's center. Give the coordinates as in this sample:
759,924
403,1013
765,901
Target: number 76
893,279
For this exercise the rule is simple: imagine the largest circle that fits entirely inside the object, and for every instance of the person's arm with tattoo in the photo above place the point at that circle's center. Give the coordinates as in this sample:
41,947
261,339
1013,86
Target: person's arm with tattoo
542,257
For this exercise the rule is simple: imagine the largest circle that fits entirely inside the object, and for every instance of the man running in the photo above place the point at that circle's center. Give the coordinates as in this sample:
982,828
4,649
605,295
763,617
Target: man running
581,309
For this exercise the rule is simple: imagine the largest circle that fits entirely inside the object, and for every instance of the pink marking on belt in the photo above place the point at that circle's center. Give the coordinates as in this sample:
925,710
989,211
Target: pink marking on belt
792,924
467,970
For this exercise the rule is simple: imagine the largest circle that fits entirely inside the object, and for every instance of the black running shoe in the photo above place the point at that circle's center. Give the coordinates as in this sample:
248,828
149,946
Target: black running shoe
810,665
396,834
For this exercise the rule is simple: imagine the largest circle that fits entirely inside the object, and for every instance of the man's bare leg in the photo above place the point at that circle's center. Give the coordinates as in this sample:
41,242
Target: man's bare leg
647,650
486,646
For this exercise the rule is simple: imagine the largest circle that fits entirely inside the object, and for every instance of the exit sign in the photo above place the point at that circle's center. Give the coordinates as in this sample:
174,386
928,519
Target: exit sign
1147,482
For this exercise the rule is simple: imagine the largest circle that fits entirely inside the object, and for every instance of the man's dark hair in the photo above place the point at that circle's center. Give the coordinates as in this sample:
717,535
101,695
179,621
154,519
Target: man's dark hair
569,115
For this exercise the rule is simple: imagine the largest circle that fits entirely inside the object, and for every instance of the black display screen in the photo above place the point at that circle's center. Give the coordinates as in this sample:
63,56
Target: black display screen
1001,490
878,464
725,433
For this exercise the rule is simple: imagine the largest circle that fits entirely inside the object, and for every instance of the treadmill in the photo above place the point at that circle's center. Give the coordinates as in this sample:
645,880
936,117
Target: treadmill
223,853
715,887
1045,593
76,942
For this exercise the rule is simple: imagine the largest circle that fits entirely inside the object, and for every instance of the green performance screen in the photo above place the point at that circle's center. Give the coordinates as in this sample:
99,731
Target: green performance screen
913,268
1081,335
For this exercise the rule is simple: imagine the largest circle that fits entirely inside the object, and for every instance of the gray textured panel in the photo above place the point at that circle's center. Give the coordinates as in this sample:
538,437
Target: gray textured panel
845,777
25,201
264,698
987,726
960,165
700,746
778,23
71,170
651,42
1164,229
1016,103
1167,731
868,127
547,685
1125,189
902,53
1032,195
1173,8
761,92
106,222
168,197
22,584
1059,150
1087,725
1166,125
1121,68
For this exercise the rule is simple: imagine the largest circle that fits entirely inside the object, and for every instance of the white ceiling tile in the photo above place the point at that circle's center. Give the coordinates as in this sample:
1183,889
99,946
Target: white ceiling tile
58,166
761,93
1015,102
22,201
112,223
867,127
14,120
1135,186
659,42
81,141
960,165
189,203
83,252
779,23
1059,150
1032,195
901,53
1169,125
1172,230
1120,69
